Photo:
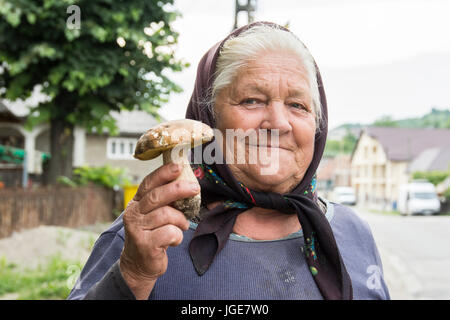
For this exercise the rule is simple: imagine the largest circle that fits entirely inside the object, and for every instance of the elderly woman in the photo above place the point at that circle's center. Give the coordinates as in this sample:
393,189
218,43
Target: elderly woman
259,236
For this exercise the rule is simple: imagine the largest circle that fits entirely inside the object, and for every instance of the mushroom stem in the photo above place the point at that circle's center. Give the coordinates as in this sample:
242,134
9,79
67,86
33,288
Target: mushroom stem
189,206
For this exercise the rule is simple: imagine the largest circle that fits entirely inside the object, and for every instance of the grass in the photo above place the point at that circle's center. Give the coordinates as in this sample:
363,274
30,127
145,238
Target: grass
88,243
63,237
51,281
391,212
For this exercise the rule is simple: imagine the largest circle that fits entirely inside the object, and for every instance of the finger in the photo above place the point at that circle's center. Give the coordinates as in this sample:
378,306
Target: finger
160,176
166,194
163,216
167,235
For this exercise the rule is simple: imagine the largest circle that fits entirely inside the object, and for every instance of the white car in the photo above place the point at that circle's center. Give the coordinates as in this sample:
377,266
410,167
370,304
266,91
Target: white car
344,195
418,198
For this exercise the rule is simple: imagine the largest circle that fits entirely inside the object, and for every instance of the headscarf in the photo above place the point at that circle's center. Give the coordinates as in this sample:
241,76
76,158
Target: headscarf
218,183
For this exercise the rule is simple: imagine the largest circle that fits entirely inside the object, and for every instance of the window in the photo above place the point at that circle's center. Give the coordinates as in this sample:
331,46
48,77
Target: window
120,148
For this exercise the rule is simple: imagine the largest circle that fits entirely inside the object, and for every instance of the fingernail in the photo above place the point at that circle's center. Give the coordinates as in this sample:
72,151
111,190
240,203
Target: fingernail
174,167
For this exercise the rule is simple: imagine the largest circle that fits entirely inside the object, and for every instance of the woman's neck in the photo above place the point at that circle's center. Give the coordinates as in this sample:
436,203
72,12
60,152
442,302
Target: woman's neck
265,224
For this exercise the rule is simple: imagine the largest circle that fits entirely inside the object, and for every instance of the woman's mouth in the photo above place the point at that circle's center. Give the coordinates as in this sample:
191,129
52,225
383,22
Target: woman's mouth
268,146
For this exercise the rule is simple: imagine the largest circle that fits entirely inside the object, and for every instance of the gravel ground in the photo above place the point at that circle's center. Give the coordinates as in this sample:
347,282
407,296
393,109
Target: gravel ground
29,248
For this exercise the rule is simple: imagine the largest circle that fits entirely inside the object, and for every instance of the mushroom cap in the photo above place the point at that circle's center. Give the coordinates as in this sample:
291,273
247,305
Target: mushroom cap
170,134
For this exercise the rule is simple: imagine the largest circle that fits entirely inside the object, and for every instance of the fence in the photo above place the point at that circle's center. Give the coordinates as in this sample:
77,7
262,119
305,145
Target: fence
62,206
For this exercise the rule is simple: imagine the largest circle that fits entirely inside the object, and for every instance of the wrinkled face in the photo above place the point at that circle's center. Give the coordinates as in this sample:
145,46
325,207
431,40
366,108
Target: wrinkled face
270,94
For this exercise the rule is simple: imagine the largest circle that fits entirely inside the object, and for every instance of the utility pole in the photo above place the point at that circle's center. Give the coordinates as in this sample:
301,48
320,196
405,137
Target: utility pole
247,5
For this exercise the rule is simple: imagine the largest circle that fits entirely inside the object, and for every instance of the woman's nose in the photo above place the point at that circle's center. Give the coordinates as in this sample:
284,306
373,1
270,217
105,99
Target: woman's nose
276,117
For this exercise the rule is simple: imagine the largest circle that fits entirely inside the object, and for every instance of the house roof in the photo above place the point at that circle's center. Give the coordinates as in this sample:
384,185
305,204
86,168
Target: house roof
134,122
404,144
430,160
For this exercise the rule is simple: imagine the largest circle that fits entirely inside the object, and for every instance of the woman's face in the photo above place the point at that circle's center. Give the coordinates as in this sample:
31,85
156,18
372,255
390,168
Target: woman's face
272,93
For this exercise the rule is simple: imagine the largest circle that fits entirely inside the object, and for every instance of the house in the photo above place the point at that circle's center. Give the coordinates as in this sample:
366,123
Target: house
117,151
14,135
333,172
89,149
382,157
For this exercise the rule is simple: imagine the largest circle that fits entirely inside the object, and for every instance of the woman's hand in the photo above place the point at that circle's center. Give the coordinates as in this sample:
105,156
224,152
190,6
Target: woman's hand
151,226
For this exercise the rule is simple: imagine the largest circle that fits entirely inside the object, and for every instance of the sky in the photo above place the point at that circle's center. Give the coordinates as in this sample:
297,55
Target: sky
376,57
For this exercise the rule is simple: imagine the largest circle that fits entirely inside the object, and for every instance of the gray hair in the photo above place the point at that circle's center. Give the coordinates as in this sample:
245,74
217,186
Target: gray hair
237,51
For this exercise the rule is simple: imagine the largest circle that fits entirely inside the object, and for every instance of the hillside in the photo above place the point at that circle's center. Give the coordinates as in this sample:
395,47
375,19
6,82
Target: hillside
343,138
435,119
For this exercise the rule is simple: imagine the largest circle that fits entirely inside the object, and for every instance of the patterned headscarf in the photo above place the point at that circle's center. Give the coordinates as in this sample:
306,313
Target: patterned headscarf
218,183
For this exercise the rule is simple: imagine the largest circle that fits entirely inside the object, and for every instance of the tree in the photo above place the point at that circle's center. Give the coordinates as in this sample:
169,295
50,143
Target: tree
435,177
385,121
343,146
90,57
349,142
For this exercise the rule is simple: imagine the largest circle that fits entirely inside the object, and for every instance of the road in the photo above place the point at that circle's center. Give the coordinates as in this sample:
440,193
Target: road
415,252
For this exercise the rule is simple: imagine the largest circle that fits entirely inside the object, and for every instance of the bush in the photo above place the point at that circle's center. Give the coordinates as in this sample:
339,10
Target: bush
447,194
435,177
105,176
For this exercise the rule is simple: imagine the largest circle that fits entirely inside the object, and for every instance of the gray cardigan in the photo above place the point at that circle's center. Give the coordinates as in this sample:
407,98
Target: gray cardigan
245,269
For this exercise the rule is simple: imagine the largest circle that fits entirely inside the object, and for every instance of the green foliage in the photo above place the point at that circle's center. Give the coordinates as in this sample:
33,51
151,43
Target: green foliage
390,212
332,148
67,181
385,121
438,119
435,177
447,193
105,176
49,281
116,61
344,146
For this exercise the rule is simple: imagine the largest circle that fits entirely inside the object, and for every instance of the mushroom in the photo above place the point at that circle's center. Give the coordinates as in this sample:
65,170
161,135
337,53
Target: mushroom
174,139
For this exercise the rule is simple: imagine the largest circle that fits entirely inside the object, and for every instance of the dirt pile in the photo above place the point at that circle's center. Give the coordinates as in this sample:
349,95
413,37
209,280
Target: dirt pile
29,248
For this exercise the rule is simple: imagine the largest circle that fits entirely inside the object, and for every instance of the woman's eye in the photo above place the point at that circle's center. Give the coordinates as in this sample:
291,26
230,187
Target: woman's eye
298,106
250,101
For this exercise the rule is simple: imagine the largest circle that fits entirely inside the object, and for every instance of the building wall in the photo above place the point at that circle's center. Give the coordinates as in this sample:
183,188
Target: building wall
96,155
398,175
375,178
88,149
15,134
342,172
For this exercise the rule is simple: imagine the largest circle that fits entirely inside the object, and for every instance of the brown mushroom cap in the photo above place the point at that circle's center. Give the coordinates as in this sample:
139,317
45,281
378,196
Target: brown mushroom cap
170,134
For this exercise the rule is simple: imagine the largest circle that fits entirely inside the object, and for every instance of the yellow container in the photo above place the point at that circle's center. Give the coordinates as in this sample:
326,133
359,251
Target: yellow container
128,194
